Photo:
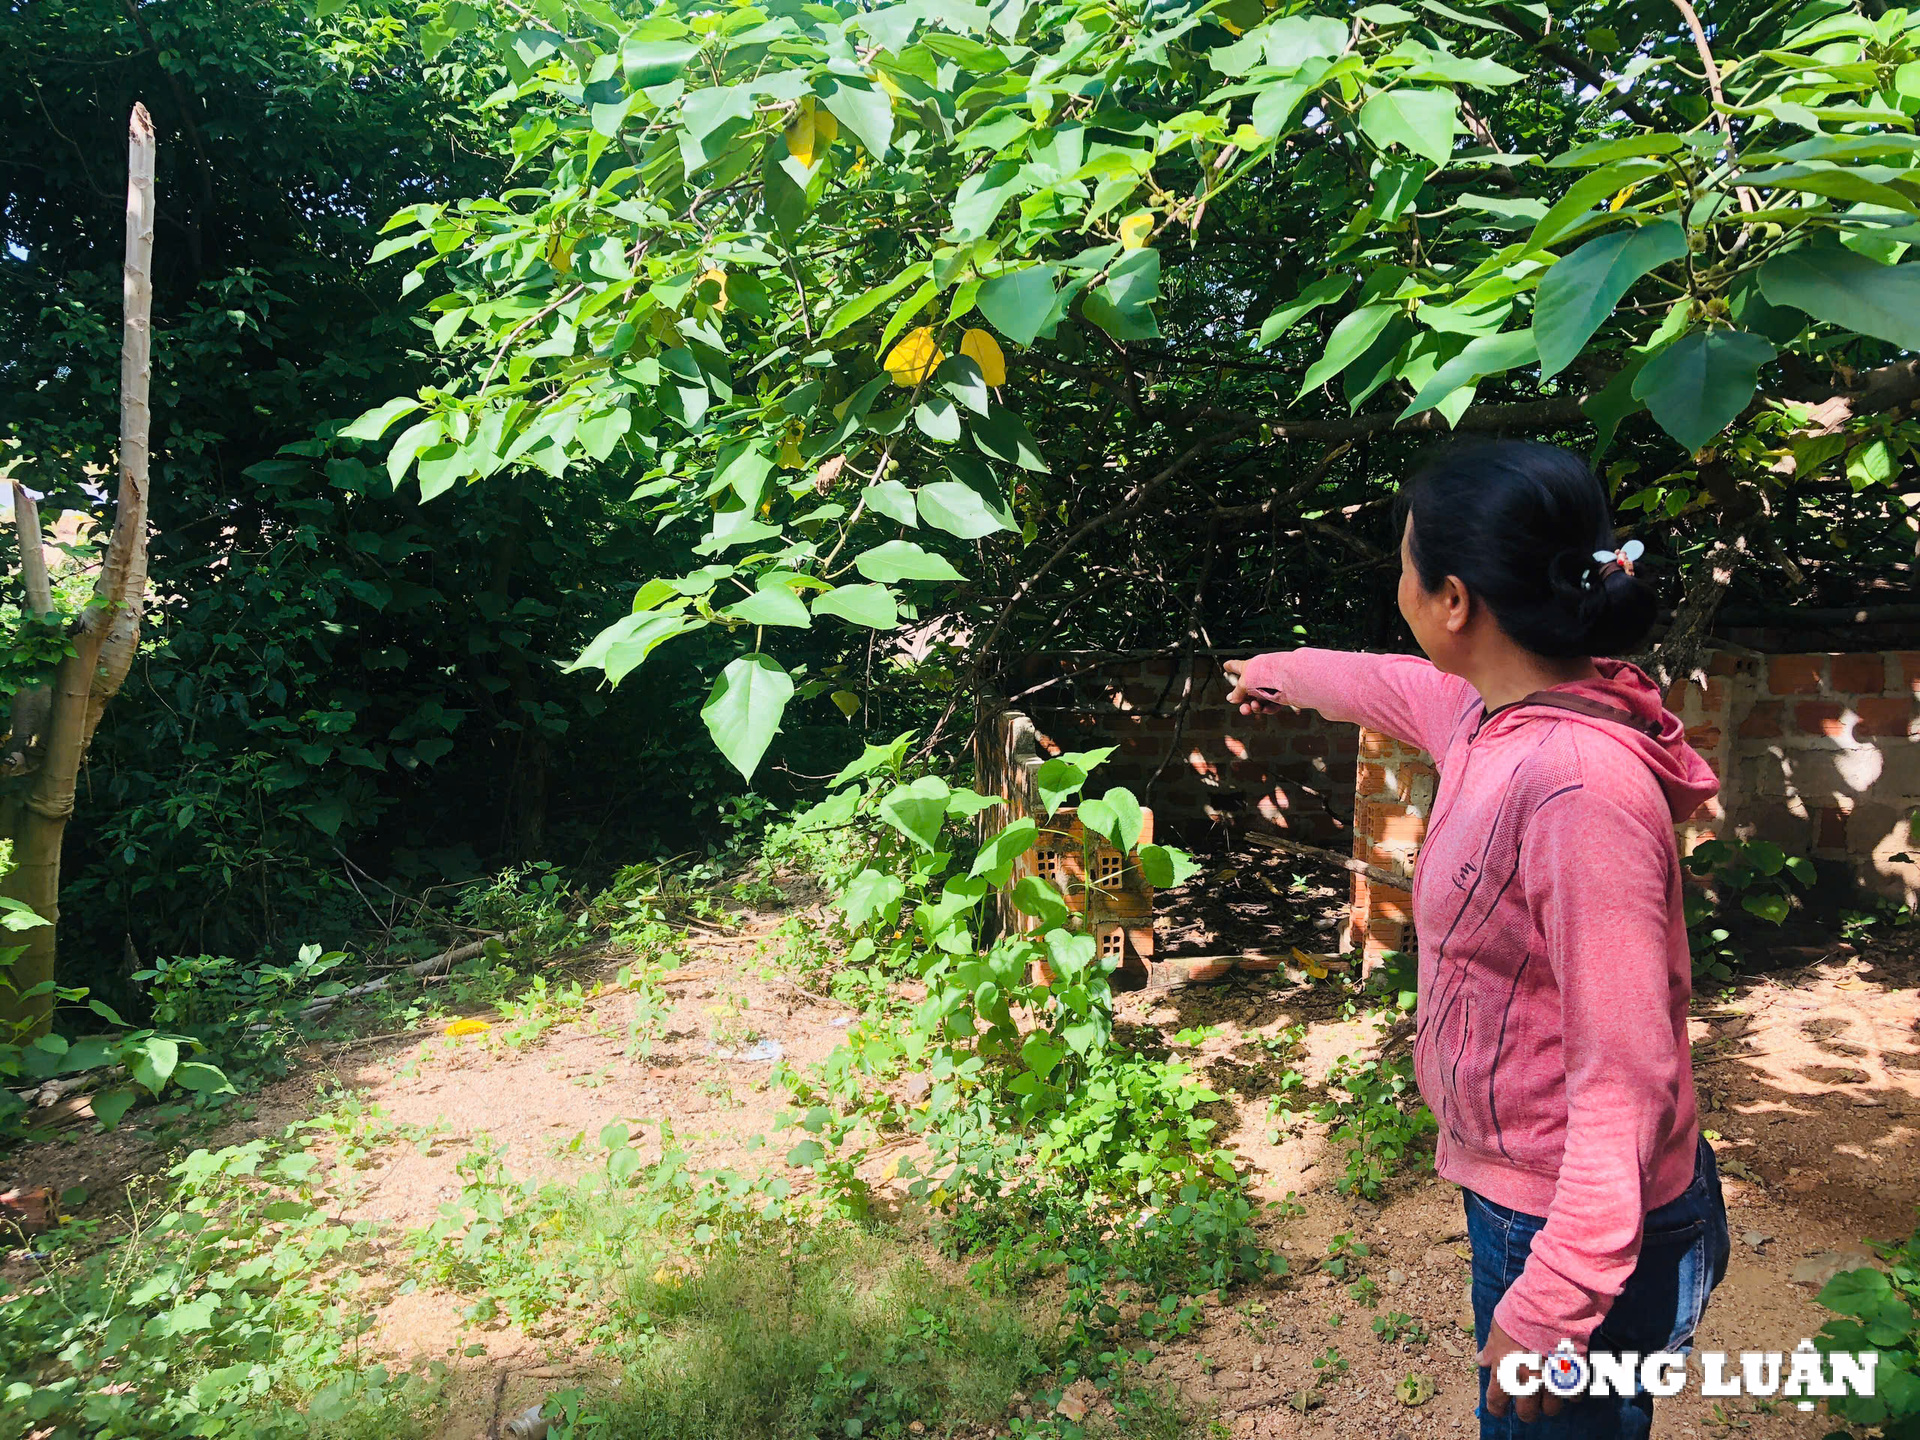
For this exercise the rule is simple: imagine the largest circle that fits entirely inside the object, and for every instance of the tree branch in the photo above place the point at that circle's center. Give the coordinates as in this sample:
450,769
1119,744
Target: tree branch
1573,65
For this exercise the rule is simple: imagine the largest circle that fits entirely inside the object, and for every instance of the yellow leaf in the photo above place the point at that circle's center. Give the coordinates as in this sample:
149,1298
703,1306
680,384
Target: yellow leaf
1136,230
664,1276
803,133
790,455
938,1197
981,348
915,358
1622,198
1310,963
826,130
719,278
893,1169
848,704
468,1027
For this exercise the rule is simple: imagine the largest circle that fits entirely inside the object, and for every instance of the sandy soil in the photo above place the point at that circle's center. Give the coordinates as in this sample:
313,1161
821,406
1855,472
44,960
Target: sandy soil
1810,1079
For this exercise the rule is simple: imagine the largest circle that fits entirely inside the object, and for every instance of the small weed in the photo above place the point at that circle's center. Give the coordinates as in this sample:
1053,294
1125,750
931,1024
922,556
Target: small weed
1379,1122
1331,1364
1399,1328
1344,1254
1364,1291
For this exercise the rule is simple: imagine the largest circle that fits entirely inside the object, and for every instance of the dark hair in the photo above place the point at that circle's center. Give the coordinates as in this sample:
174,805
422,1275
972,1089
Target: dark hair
1519,523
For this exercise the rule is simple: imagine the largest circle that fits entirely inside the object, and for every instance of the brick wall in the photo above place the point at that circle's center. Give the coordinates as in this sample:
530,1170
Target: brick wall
1292,773
1819,753
1394,785
1823,759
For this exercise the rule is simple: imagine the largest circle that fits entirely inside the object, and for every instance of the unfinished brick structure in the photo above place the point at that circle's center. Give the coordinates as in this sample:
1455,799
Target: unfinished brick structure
1117,901
1201,766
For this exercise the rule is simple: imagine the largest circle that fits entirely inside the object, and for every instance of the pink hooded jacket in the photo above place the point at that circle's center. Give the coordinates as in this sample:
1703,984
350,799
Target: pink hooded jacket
1551,1037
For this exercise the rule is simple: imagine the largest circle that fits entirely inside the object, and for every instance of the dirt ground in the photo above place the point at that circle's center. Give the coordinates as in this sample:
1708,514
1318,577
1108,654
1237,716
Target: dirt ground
1809,1083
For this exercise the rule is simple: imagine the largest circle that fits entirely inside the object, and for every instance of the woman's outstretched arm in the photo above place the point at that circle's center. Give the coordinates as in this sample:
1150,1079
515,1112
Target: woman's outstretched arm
1400,695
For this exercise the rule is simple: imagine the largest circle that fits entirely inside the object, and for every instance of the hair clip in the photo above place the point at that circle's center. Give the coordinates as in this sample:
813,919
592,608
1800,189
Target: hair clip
1623,557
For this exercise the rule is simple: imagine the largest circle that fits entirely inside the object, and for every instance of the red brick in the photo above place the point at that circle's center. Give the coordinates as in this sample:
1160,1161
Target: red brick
1795,674
1721,663
1158,724
1376,746
1859,674
1236,747
1678,694
1885,715
1822,718
1763,721
1160,666
1310,745
1704,737
1830,830
1909,662
1402,830
1346,743
1251,772
1370,779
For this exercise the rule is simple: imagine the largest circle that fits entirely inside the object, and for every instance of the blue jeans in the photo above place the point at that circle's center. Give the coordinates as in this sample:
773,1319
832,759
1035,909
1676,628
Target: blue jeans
1683,1256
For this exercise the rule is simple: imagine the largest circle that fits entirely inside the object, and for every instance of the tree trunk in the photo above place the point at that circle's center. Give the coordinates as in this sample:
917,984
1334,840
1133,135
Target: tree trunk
106,634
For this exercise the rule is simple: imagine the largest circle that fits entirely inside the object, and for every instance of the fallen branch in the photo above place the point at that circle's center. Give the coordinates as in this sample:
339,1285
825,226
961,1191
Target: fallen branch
424,969
1375,873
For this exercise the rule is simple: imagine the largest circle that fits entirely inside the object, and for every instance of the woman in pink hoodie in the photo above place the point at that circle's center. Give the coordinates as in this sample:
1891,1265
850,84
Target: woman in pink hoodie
1551,1039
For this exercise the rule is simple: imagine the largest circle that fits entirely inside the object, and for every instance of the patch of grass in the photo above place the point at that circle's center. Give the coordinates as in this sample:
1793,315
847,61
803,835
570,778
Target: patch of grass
842,1332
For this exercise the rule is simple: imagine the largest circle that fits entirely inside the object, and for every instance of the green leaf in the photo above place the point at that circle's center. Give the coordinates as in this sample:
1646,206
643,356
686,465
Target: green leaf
1323,291
893,500
864,305
1605,152
1016,303
869,605
958,509
904,560
622,646
1351,339
1578,294
1036,897
773,605
1003,435
1055,780
1849,290
1571,208
110,1106
18,915
996,858
1129,819
871,893
1165,867
866,110
152,1064
917,810
1700,383
650,63
744,469
1489,355
201,1078
938,420
807,1152
375,423
1774,908
1096,817
1421,120
1275,106
1041,1055
744,709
